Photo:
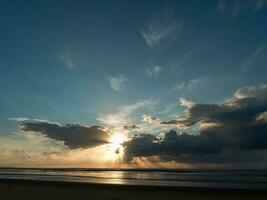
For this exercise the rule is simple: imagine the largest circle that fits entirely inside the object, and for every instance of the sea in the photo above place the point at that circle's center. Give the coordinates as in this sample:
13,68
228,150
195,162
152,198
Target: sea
238,179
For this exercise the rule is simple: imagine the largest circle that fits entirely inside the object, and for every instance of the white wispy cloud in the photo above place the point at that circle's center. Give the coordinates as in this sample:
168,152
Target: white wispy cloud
154,35
136,115
18,119
161,27
247,65
152,125
124,115
180,61
191,84
67,58
24,119
237,6
150,119
116,82
187,102
153,71
45,121
251,60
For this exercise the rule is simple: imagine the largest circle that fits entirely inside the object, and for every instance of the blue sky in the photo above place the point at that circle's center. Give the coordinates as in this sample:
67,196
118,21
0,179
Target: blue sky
101,40
81,61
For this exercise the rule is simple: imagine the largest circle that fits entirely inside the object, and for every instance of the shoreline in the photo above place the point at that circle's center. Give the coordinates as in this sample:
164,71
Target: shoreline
132,169
42,189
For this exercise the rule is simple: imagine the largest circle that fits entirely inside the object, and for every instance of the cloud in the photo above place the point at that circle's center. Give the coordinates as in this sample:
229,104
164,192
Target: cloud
237,6
251,60
124,115
44,121
191,84
171,145
245,102
19,119
154,35
29,148
248,64
73,135
150,119
130,127
262,117
160,28
188,103
116,82
237,125
230,132
153,71
67,57
259,5
259,92
221,6
26,119
130,120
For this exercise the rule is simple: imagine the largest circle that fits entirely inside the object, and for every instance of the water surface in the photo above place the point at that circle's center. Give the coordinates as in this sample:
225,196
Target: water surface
244,179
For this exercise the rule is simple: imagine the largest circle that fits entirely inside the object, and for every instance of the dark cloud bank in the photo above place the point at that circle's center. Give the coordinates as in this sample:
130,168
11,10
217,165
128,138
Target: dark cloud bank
232,131
74,135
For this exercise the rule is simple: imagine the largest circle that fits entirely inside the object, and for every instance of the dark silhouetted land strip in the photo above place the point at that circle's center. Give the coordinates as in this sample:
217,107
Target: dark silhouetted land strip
48,190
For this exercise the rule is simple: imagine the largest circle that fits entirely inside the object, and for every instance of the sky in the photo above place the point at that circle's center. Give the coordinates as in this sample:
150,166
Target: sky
162,83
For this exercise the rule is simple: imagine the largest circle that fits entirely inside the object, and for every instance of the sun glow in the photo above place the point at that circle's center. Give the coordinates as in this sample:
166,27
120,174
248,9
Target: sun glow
116,143
107,155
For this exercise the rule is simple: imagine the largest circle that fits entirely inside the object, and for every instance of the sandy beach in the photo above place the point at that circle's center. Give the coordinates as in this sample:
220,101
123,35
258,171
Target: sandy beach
46,190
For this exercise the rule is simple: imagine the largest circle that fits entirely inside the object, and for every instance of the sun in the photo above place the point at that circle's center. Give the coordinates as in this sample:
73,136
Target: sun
117,139
113,151
116,142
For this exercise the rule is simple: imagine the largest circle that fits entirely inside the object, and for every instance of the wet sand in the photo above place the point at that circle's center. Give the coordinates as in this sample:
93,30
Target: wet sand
48,190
